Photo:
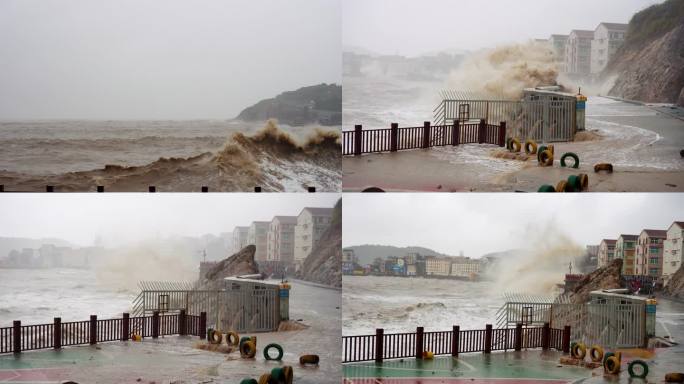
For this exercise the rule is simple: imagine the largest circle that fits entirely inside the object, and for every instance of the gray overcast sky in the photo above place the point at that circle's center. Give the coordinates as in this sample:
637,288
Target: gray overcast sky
483,223
160,59
411,27
130,217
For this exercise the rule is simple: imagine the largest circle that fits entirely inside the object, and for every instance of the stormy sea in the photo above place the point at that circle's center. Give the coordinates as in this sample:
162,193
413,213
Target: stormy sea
225,155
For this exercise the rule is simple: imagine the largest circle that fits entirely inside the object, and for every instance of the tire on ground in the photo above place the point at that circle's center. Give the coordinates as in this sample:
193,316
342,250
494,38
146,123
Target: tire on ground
530,147
267,356
574,157
308,359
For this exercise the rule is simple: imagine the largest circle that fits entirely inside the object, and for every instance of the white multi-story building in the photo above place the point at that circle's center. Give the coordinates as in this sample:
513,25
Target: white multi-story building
558,43
466,268
258,235
578,52
240,238
280,241
672,253
606,252
649,252
608,37
437,266
311,223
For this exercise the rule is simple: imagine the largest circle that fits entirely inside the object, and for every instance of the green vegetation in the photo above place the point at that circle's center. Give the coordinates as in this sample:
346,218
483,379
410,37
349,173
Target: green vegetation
654,22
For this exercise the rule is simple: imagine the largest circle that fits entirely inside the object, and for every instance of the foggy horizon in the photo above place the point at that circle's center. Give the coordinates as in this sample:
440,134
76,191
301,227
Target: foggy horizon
160,60
412,29
125,219
450,223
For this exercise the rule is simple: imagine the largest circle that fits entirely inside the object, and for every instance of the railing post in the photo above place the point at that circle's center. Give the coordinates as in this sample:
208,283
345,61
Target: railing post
357,139
481,131
379,337
16,336
125,327
419,343
455,340
502,134
456,133
93,329
566,339
426,134
545,336
203,325
517,340
394,133
155,324
182,325
57,333
488,339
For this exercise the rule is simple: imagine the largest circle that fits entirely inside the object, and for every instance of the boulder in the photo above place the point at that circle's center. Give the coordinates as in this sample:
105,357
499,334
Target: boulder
608,277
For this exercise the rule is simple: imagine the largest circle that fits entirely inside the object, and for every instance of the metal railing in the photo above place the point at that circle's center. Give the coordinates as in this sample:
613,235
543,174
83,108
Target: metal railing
18,337
383,346
394,139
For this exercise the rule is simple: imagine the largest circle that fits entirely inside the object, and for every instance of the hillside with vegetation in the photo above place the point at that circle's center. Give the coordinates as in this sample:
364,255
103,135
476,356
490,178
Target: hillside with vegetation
649,66
368,252
317,104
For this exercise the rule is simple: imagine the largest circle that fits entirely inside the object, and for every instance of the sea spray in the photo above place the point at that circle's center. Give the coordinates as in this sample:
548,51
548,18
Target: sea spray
506,70
540,265
151,260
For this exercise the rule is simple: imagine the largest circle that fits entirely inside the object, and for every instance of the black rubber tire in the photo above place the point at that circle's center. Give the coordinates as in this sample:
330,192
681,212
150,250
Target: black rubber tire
612,365
562,186
249,381
515,145
265,379
546,158
606,356
528,150
541,149
596,358
630,369
574,157
276,346
603,167
546,188
584,181
232,338
289,374
308,359
277,374
373,189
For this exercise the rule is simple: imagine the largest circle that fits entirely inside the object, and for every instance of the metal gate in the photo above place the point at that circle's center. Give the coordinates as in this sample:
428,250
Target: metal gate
540,120
240,305
611,324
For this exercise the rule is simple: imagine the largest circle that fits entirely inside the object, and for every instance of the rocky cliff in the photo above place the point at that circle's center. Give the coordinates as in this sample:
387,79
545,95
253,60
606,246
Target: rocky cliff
675,288
608,277
324,264
318,104
241,263
649,66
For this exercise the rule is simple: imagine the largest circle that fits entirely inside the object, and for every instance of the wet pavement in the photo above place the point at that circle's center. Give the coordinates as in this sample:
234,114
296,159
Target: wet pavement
176,360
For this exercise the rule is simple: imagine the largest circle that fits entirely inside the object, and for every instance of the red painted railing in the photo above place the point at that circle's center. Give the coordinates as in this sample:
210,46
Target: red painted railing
383,346
19,337
394,139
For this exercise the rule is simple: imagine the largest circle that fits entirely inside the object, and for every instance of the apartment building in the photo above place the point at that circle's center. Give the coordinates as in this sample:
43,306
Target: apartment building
437,266
467,268
558,43
672,250
578,52
649,252
240,238
625,249
258,235
280,240
311,223
608,37
606,252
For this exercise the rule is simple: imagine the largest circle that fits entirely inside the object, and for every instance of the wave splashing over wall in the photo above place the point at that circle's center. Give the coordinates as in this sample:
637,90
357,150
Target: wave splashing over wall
505,71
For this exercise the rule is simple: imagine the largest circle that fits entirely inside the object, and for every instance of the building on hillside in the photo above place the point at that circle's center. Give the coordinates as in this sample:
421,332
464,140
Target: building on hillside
465,268
258,235
240,237
608,37
280,240
649,253
558,43
437,266
578,52
606,252
672,250
625,249
348,261
311,223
